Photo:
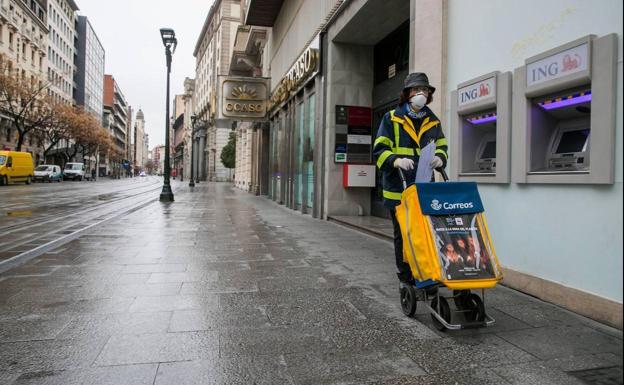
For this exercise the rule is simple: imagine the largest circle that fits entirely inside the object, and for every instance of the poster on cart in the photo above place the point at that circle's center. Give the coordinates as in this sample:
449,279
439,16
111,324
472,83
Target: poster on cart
461,247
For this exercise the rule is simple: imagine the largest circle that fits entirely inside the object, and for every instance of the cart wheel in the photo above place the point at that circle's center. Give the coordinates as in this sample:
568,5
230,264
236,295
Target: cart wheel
408,300
459,298
475,307
445,312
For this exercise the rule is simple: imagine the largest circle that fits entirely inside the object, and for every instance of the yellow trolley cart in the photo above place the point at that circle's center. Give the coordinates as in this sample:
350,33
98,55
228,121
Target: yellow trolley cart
447,244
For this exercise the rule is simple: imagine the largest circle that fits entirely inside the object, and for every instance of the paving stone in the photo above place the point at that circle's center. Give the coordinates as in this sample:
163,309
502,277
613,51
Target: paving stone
349,366
193,320
275,340
241,370
562,341
90,326
118,375
32,327
48,355
159,347
453,377
173,302
535,373
470,352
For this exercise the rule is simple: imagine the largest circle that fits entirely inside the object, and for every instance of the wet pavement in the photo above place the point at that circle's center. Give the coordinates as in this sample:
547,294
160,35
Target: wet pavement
222,287
37,215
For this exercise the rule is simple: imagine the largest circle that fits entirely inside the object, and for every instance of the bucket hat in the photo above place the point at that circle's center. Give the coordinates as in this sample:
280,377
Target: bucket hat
416,79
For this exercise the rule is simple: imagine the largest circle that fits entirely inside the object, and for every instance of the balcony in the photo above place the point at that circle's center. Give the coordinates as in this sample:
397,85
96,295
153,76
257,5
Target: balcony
4,13
262,13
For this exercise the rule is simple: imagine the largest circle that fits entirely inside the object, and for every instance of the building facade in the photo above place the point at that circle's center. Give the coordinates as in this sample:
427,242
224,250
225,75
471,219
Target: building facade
89,76
138,146
252,137
115,119
362,73
213,53
61,36
158,158
23,50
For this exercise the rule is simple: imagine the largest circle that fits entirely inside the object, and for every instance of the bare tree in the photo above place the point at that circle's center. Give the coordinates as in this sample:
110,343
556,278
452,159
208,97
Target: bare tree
25,102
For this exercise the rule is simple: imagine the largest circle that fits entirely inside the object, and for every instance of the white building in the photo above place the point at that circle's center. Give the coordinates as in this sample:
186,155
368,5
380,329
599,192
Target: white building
558,233
61,67
212,53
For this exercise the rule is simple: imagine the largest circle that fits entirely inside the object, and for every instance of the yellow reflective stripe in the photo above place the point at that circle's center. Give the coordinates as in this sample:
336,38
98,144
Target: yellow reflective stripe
404,151
382,158
396,134
439,151
418,151
384,140
425,127
441,142
392,195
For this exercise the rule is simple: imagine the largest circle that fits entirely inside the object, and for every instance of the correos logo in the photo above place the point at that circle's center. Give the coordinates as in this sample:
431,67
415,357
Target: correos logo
435,204
451,206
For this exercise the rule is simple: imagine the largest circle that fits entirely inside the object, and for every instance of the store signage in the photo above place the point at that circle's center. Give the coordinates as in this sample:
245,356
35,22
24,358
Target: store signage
305,67
353,134
243,98
477,91
358,175
558,65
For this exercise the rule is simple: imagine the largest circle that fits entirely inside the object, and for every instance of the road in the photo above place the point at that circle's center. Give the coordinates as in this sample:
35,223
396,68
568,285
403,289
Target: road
37,216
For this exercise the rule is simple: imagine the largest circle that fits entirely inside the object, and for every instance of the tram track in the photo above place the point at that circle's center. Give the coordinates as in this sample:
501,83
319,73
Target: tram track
43,236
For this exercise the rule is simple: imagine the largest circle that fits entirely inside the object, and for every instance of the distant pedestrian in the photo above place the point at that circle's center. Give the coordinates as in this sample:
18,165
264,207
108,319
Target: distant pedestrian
93,174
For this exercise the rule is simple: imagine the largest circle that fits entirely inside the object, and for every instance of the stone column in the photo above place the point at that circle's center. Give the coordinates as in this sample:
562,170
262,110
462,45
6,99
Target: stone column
202,156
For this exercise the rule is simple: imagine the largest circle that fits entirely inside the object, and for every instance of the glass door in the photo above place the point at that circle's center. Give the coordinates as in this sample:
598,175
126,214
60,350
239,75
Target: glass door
309,150
299,140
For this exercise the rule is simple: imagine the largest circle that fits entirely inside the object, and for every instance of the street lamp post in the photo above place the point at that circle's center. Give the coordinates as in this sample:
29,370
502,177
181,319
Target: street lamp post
193,120
170,42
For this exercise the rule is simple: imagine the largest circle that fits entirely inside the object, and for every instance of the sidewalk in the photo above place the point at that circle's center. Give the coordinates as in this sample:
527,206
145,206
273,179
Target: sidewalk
223,287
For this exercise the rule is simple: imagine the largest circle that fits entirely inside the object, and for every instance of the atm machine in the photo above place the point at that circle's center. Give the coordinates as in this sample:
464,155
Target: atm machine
481,129
564,114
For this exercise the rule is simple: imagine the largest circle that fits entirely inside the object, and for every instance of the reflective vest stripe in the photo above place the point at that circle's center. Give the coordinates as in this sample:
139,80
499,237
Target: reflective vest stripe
440,151
441,142
404,151
426,127
392,195
384,140
382,158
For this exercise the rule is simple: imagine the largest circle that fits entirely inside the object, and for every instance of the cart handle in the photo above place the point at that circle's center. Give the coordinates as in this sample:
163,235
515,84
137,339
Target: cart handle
439,169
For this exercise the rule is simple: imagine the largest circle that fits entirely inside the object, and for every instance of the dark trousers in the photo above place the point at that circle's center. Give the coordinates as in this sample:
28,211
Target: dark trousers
404,274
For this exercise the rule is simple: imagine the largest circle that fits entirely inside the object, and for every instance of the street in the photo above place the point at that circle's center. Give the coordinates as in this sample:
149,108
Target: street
223,287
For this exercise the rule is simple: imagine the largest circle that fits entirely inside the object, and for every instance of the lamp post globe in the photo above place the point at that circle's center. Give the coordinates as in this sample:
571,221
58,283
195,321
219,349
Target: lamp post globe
170,42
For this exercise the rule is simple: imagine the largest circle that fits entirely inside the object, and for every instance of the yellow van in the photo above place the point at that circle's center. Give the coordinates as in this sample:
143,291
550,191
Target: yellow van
16,166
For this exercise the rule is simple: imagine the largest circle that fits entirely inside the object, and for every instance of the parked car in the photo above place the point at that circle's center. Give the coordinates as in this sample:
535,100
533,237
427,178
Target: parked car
74,171
142,173
16,166
48,173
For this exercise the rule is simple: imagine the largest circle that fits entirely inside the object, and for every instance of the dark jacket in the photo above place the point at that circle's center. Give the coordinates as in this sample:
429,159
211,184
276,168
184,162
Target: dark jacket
393,140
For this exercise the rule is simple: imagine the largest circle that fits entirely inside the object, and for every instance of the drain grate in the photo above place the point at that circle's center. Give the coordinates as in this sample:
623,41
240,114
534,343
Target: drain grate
600,376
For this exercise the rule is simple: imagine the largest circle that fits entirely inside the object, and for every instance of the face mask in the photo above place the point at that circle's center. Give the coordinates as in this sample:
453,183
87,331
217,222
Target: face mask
418,101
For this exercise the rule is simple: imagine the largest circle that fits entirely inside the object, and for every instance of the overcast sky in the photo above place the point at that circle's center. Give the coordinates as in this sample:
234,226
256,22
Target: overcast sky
135,55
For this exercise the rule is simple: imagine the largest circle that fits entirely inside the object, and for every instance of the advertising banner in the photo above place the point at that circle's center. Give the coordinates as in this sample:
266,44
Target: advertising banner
462,248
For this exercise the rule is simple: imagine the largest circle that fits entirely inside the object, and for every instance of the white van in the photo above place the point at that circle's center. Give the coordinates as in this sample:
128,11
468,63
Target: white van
75,171
48,173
